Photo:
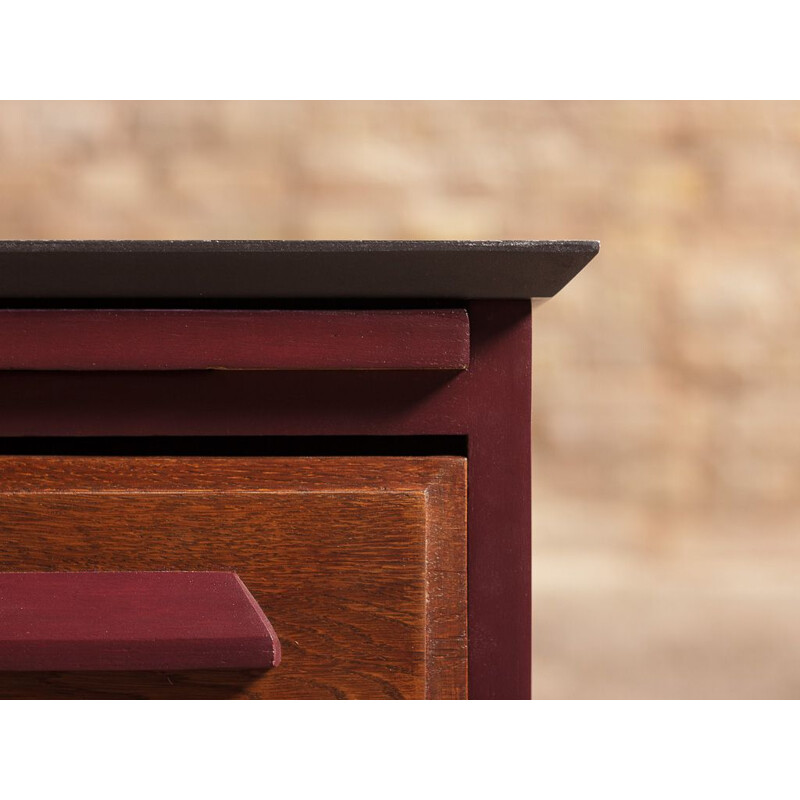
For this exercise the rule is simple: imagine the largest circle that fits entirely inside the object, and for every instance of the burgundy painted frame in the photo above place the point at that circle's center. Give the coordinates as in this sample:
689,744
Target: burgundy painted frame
140,339
67,621
490,403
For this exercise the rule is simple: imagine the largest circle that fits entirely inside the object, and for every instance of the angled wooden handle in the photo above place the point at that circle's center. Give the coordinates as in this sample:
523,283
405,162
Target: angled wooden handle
63,621
121,339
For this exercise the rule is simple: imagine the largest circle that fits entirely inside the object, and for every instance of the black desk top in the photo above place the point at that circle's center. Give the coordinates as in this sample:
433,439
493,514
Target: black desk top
463,270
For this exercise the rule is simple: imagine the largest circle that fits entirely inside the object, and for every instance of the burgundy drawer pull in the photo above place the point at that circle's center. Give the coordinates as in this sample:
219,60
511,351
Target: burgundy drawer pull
79,339
132,621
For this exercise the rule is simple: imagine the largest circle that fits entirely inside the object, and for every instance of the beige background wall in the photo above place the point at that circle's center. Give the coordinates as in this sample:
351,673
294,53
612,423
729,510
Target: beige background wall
667,376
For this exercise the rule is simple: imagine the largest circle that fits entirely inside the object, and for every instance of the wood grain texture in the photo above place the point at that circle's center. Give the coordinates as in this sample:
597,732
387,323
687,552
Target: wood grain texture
463,270
489,403
77,339
132,621
360,563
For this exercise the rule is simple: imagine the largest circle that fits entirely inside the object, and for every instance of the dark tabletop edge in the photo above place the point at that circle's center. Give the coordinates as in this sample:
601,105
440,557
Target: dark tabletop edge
223,269
587,247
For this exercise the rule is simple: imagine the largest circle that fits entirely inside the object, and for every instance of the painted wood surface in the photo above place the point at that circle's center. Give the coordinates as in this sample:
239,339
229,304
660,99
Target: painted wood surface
498,410
131,621
359,562
463,270
49,339
489,403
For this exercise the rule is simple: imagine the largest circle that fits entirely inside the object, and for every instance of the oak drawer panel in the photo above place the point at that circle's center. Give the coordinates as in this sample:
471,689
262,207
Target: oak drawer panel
359,563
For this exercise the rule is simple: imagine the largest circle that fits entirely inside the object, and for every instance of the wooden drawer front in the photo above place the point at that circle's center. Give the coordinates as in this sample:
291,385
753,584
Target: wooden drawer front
359,563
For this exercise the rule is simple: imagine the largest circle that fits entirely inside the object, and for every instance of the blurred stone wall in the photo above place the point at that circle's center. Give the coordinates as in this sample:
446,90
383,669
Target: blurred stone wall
667,376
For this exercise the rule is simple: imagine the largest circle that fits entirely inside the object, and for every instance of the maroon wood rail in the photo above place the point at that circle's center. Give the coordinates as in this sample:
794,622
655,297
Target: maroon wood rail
81,339
132,621
354,403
